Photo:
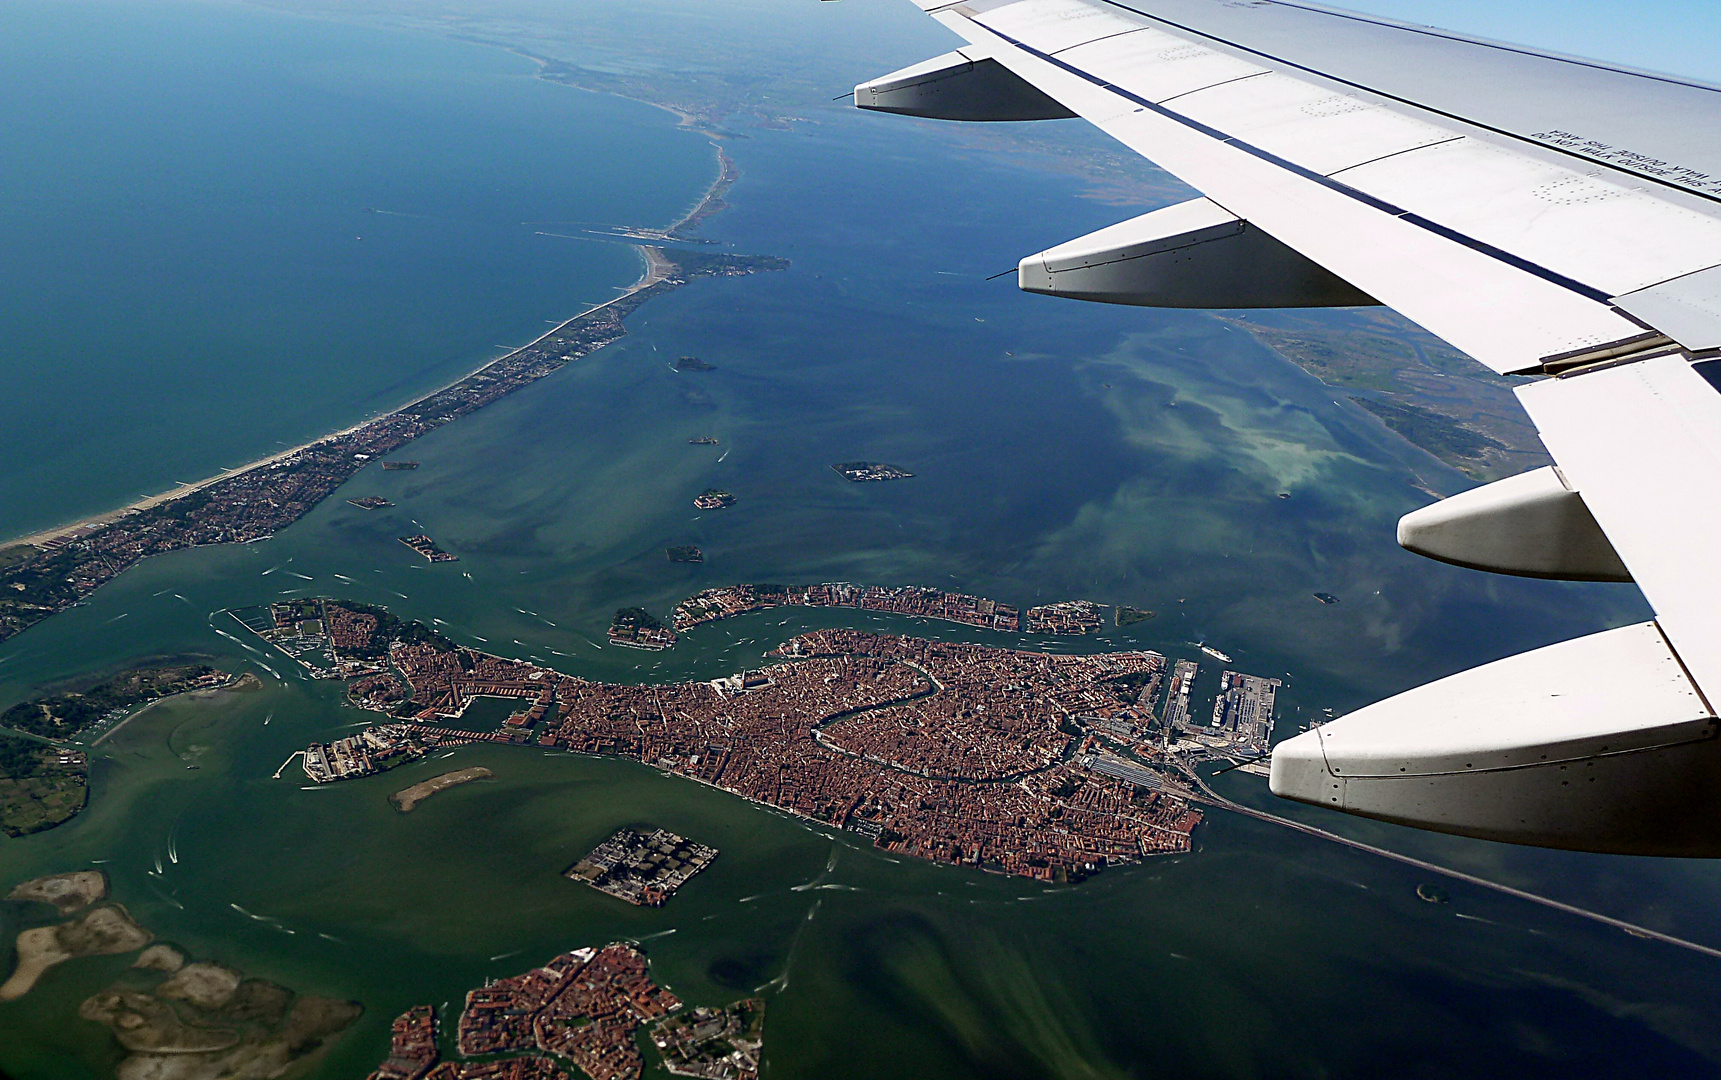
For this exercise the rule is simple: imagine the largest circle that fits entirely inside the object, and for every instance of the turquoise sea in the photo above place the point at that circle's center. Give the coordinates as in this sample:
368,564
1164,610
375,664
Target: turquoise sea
1060,451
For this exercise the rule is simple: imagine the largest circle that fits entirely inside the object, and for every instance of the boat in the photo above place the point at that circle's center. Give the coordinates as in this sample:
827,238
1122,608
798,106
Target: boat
1214,653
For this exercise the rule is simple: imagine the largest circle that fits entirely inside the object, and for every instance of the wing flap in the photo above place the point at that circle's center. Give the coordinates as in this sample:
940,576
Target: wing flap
1687,309
1642,444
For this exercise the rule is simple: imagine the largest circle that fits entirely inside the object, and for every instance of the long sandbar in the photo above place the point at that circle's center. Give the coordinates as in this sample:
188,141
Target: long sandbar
405,800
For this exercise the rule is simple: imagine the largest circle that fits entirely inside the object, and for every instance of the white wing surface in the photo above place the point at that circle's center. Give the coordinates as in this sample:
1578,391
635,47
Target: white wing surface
1551,216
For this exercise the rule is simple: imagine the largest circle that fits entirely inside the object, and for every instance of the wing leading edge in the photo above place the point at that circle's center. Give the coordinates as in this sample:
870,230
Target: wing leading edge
1548,215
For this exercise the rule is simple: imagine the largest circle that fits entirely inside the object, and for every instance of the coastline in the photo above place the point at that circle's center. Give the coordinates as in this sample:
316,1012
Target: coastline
657,269
50,570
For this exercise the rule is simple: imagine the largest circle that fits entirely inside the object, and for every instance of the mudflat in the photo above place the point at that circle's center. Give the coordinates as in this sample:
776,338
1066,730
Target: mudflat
67,892
405,800
103,931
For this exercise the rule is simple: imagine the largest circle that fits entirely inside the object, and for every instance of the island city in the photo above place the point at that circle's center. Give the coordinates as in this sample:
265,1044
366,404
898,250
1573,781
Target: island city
1026,763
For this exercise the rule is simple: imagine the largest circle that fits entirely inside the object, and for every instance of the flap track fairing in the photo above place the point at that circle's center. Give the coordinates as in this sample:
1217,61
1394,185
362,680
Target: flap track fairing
1192,255
962,85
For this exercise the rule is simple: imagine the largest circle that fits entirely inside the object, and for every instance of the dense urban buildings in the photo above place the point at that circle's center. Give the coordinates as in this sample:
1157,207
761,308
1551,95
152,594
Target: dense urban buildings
582,1009
721,603
947,751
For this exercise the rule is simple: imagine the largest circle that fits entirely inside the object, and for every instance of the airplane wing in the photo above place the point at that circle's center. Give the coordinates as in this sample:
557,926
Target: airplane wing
1551,216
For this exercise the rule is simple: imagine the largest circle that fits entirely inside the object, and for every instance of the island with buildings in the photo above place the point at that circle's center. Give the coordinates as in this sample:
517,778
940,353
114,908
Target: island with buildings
862,472
370,502
333,639
717,1044
713,499
685,553
731,600
584,1009
87,706
1049,766
427,547
1067,617
637,628
645,869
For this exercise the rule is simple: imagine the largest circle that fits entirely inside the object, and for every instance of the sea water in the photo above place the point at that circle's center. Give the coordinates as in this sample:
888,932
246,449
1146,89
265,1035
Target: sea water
229,231
1060,451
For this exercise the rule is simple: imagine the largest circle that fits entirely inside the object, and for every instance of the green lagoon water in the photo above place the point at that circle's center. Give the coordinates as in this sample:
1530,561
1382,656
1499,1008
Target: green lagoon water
1060,450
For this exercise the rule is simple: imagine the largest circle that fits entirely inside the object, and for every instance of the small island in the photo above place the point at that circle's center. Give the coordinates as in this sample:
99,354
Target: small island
714,499
1129,616
370,502
425,546
1326,598
397,466
645,869
66,892
101,931
703,440
406,799
637,628
718,1044
863,472
693,363
686,553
